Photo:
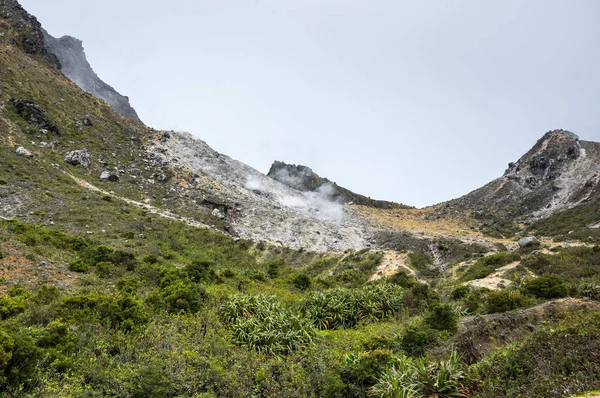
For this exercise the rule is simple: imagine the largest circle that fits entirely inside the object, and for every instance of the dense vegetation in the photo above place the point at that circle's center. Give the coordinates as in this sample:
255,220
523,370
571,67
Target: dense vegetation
202,315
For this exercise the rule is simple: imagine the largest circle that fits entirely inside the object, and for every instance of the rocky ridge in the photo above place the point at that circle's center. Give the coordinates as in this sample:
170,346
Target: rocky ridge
303,178
560,172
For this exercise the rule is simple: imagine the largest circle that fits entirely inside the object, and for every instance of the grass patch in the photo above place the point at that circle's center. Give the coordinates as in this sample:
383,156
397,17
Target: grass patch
488,264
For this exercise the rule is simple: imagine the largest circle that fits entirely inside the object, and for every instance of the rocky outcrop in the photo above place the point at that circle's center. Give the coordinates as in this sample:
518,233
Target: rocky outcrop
304,179
559,172
33,114
27,31
75,66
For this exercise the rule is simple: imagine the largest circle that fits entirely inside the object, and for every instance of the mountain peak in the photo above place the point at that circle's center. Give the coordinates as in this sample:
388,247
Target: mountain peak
75,66
558,136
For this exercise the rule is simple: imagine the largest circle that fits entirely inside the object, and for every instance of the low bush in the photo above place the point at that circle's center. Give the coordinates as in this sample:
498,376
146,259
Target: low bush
202,271
460,292
181,297
361,369
78,266
302,282
273,268
546,287
401,278
414,342
503,301
442,317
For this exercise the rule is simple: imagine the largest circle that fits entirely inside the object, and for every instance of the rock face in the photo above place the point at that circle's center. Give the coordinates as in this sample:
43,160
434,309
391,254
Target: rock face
29,35
69,51
559,172
80,157
304,179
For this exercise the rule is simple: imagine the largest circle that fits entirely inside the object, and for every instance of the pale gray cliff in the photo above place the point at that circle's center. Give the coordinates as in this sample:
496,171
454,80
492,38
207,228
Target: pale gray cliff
76,68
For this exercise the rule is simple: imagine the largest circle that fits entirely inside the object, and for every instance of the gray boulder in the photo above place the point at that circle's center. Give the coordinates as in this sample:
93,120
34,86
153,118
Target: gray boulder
108,176
80,157
528,241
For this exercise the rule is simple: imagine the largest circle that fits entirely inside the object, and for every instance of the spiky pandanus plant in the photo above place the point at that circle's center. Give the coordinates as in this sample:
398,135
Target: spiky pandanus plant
344,308
263,324
417,379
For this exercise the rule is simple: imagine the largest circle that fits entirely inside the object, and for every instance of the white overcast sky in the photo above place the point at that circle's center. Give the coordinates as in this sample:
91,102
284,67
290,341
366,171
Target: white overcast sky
413,101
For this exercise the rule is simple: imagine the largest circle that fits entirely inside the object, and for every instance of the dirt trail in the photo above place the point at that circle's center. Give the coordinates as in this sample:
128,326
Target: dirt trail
391,263
144,206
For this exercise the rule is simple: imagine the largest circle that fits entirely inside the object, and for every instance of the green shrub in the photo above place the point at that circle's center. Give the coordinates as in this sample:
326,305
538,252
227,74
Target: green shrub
401,278
460,292
255,275
474,300
418,297
13,303
503,301
105,269
150,259
414,342
301,282
78,266
7,345
546,287
152,381
227,273
1,254
184,297
554,361
442,317
22,363
54,334
201,271
273,268
571,264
